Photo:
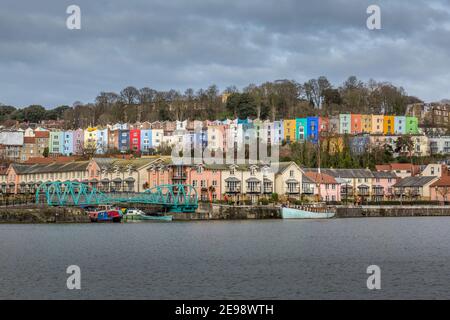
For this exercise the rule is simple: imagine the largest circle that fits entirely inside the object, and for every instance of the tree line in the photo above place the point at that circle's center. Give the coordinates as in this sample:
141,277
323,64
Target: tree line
280,99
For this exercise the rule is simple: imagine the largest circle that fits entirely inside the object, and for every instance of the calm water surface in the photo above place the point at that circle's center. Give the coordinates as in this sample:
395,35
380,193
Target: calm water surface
228,260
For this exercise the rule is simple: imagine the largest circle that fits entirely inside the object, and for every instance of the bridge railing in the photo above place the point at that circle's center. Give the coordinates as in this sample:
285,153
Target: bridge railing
76,193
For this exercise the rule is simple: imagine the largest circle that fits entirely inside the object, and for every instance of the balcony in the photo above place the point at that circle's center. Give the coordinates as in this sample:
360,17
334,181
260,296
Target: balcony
254,189
179,176
378,191
268,190
363,192
308,190
293,190
232,189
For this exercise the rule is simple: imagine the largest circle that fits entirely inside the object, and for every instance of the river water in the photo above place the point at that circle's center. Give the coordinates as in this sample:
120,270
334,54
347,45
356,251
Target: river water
228,260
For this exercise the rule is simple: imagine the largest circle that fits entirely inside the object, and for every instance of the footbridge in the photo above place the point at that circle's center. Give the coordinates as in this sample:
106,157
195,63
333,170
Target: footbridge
172,197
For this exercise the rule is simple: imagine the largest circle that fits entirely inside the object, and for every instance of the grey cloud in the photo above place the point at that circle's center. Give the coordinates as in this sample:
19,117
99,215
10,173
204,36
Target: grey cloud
179,44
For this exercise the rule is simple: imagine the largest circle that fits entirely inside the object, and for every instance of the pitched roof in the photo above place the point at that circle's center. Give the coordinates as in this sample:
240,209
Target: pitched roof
50,168
43,160
384,175
344,173
320,178
42,134
444,181
123,163
414,169
30,140
417,181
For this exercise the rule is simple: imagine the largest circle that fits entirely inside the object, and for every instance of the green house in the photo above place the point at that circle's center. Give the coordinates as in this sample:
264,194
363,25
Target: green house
301,131
412,125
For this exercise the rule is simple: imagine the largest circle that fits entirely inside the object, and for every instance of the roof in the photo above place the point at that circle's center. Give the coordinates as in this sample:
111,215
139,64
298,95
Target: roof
444,181
321,178
41,134
305,179
414,181
398,167
282,166
344,173
43,160
49,168
384,175
30,140
124,163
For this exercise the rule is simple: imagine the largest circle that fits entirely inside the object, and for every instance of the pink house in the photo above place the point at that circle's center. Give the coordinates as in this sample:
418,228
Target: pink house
440,190
382,185
78,141
330,189
159,174
207,182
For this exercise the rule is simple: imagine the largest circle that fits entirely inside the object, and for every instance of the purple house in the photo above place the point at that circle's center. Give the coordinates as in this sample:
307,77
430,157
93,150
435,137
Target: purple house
78,141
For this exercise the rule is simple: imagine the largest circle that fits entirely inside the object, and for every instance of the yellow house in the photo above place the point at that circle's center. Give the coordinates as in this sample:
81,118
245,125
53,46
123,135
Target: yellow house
388,124
377,124
366,123
289,130
90,138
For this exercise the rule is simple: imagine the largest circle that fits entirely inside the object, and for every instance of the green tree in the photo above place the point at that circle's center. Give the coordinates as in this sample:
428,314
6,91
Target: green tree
405,145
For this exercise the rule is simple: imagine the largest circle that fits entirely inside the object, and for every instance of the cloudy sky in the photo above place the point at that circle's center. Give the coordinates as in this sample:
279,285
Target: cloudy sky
178,44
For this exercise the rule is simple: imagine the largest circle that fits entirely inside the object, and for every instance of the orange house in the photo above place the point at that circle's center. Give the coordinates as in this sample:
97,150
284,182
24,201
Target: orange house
388,125
356,126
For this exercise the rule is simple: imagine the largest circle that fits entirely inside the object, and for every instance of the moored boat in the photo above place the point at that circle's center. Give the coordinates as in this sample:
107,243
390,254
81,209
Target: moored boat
105,214
307,213
139,215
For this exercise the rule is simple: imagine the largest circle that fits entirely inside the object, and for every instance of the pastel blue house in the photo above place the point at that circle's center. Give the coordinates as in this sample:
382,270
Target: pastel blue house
68,143
146,141
102,141
312,130
278,132
200,138
400,125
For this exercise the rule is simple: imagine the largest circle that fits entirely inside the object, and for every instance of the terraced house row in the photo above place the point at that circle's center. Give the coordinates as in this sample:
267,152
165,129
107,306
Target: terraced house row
20,145
239,183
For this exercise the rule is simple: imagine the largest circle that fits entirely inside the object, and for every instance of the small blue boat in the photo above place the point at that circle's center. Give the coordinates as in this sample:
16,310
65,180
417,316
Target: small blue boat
310,213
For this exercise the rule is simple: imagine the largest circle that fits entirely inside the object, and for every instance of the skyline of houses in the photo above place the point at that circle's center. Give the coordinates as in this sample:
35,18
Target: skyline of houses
364,131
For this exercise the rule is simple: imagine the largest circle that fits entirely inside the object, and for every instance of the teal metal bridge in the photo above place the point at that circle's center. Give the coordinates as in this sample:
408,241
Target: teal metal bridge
172,197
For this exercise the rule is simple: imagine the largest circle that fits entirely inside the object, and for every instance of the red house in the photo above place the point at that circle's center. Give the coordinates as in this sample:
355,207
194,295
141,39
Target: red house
324,124
135,140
